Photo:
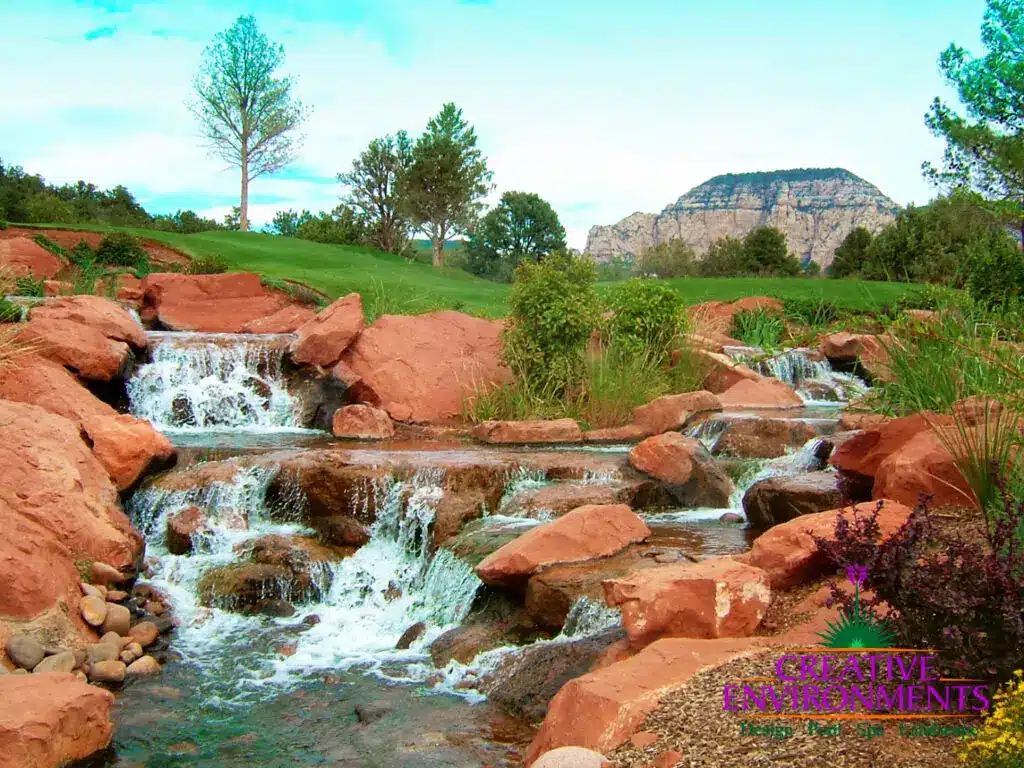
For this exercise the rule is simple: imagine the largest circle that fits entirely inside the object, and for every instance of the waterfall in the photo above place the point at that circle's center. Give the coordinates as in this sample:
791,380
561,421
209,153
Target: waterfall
363,603
211,380
814,380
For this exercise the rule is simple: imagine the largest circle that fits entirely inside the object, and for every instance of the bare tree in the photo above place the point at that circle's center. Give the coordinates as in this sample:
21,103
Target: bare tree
249,117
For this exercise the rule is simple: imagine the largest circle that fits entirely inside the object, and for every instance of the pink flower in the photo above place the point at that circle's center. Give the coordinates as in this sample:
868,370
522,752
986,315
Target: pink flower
857,574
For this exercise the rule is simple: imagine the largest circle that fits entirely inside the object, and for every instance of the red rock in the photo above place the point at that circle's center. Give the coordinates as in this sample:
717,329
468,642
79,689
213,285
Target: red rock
212,303
97,313
422,368
51,720
83,349
668,759
854,420
630,433
862,454
923,466
23,256
763,438
180,527
673,411
724,372
667,457
286,320
127,447
788,553
602,709
362,422
764,393
322,340
848,347
643,739
584,534
527,432
719,597
57,506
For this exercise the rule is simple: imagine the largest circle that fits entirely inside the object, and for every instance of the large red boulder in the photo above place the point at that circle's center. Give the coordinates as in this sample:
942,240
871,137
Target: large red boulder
844,347
761,393
362,422
673,411
57,507
23,256
723,372
603,708
84,350
685,466
223,303
923,466
763,438
862,454
423,368
322,340
527,432
719,597
286,320
96,312
788,552
586,533
127,447
53,719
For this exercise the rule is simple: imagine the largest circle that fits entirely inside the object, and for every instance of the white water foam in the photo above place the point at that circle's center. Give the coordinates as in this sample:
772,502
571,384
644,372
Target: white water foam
814,380
214,381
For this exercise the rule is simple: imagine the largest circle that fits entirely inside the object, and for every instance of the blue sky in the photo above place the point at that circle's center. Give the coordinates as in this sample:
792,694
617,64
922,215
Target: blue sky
603,108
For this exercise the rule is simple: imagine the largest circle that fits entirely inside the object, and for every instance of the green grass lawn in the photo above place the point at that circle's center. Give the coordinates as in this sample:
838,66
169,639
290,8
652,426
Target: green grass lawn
392,284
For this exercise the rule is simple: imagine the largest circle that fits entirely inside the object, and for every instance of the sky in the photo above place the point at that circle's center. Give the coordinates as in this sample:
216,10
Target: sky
602,108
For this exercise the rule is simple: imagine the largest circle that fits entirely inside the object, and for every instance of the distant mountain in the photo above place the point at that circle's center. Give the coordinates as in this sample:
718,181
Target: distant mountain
815,207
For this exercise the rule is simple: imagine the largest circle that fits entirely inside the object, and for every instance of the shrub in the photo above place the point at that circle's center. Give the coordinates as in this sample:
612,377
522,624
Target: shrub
767,253
29,286
851,254
648,317
554,309
3,225
9,311
211,264
758,328
963,597
726,257
815,313
995,270
120,249
1000,743
669,259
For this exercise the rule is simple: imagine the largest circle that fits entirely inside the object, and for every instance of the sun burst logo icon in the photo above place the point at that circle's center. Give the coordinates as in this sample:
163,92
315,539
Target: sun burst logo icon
857,628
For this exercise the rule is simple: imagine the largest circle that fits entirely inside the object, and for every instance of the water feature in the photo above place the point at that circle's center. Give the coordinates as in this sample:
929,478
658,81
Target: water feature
213,381
810,375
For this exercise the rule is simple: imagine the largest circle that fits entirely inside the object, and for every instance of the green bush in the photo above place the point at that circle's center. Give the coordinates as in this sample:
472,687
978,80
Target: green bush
29,286
670,259
812,312
851,254
3,225
995,270
9,311
554,309
212,264
120,249
648,317
758,328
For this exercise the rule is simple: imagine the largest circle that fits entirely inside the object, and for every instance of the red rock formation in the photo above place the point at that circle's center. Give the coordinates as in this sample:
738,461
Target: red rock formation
423,368
212,303
719,597
673,411
527,432
286,320
584,534
762,393
362,422
51,720
23,256
322,340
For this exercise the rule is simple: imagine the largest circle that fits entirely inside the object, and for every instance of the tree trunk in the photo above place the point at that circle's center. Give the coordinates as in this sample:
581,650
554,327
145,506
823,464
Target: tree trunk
438,245
243,218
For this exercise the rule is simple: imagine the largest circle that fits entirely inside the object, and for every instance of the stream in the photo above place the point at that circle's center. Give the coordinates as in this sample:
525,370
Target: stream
325,685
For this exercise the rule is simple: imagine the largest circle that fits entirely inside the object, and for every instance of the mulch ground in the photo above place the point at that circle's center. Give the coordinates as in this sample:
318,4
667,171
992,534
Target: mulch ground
691,720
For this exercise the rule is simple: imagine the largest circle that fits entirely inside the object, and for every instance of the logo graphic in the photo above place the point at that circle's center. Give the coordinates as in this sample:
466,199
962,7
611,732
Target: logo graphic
857,629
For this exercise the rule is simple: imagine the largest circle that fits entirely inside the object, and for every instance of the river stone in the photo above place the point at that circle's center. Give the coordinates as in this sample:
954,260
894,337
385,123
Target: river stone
571,757
94,610
118,619
144,633
102,651
24,651
107,672
410,636
135,648
62,662
372,711
112,638
731,518
91,590
101,573
147,666
117,595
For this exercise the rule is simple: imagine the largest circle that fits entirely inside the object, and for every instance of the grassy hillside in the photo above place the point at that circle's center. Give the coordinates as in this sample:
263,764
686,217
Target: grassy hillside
391,284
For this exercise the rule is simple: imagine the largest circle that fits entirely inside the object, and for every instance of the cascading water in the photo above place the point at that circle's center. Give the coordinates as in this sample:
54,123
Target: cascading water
813,379
363,602
199,381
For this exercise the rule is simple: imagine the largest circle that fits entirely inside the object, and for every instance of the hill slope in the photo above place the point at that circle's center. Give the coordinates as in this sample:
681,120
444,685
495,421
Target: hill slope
815,208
